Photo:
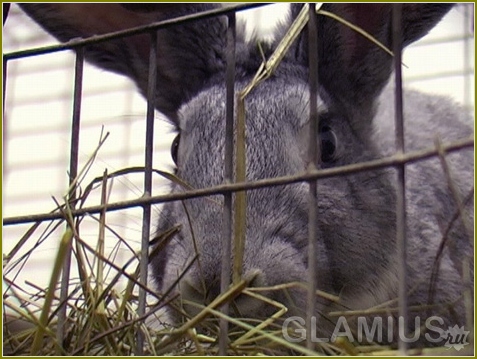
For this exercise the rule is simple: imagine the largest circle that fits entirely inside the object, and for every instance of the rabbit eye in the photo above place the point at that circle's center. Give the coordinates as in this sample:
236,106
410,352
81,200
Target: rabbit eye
328,144
175,148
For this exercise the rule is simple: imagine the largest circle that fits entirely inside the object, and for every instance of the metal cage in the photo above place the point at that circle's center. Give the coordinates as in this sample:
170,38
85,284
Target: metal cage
137,203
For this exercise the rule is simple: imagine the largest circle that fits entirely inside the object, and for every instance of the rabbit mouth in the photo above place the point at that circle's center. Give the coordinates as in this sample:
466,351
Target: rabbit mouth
195,295
258,300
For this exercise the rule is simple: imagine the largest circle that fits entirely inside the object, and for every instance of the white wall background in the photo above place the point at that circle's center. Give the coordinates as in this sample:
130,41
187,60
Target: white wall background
38,115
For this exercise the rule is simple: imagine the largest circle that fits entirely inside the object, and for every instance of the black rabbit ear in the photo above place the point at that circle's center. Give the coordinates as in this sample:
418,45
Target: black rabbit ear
351,68
188,54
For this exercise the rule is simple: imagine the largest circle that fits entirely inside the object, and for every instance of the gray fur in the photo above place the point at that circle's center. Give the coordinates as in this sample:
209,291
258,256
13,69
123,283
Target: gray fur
356,213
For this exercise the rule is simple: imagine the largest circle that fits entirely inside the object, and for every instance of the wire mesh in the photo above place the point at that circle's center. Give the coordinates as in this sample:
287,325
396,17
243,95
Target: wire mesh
226,189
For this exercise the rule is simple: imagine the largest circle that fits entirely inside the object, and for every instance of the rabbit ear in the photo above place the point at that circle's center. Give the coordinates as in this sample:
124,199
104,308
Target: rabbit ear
188,54
351,68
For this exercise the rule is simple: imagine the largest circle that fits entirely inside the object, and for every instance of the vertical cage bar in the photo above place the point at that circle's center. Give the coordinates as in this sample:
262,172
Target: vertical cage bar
229,165
5,62
314,158
73,173
4,120
467,260
148,152
401,177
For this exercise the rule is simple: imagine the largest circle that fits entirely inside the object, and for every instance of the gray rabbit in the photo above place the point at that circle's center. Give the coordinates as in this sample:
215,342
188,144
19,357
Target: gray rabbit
356,215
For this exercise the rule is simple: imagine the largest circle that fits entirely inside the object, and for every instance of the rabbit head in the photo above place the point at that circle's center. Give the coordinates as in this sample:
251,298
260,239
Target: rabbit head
356,216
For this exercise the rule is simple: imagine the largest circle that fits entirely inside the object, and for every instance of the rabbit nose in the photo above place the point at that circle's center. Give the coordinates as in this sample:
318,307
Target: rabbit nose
196,293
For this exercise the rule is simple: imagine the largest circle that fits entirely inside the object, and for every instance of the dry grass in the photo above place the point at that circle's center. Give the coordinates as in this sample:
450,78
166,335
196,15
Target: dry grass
102,303
102,298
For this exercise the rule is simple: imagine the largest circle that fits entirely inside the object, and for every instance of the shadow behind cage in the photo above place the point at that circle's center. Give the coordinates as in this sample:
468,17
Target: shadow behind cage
135,135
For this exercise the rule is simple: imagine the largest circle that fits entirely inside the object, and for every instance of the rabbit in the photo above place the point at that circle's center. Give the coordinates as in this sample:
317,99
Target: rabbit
356,214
